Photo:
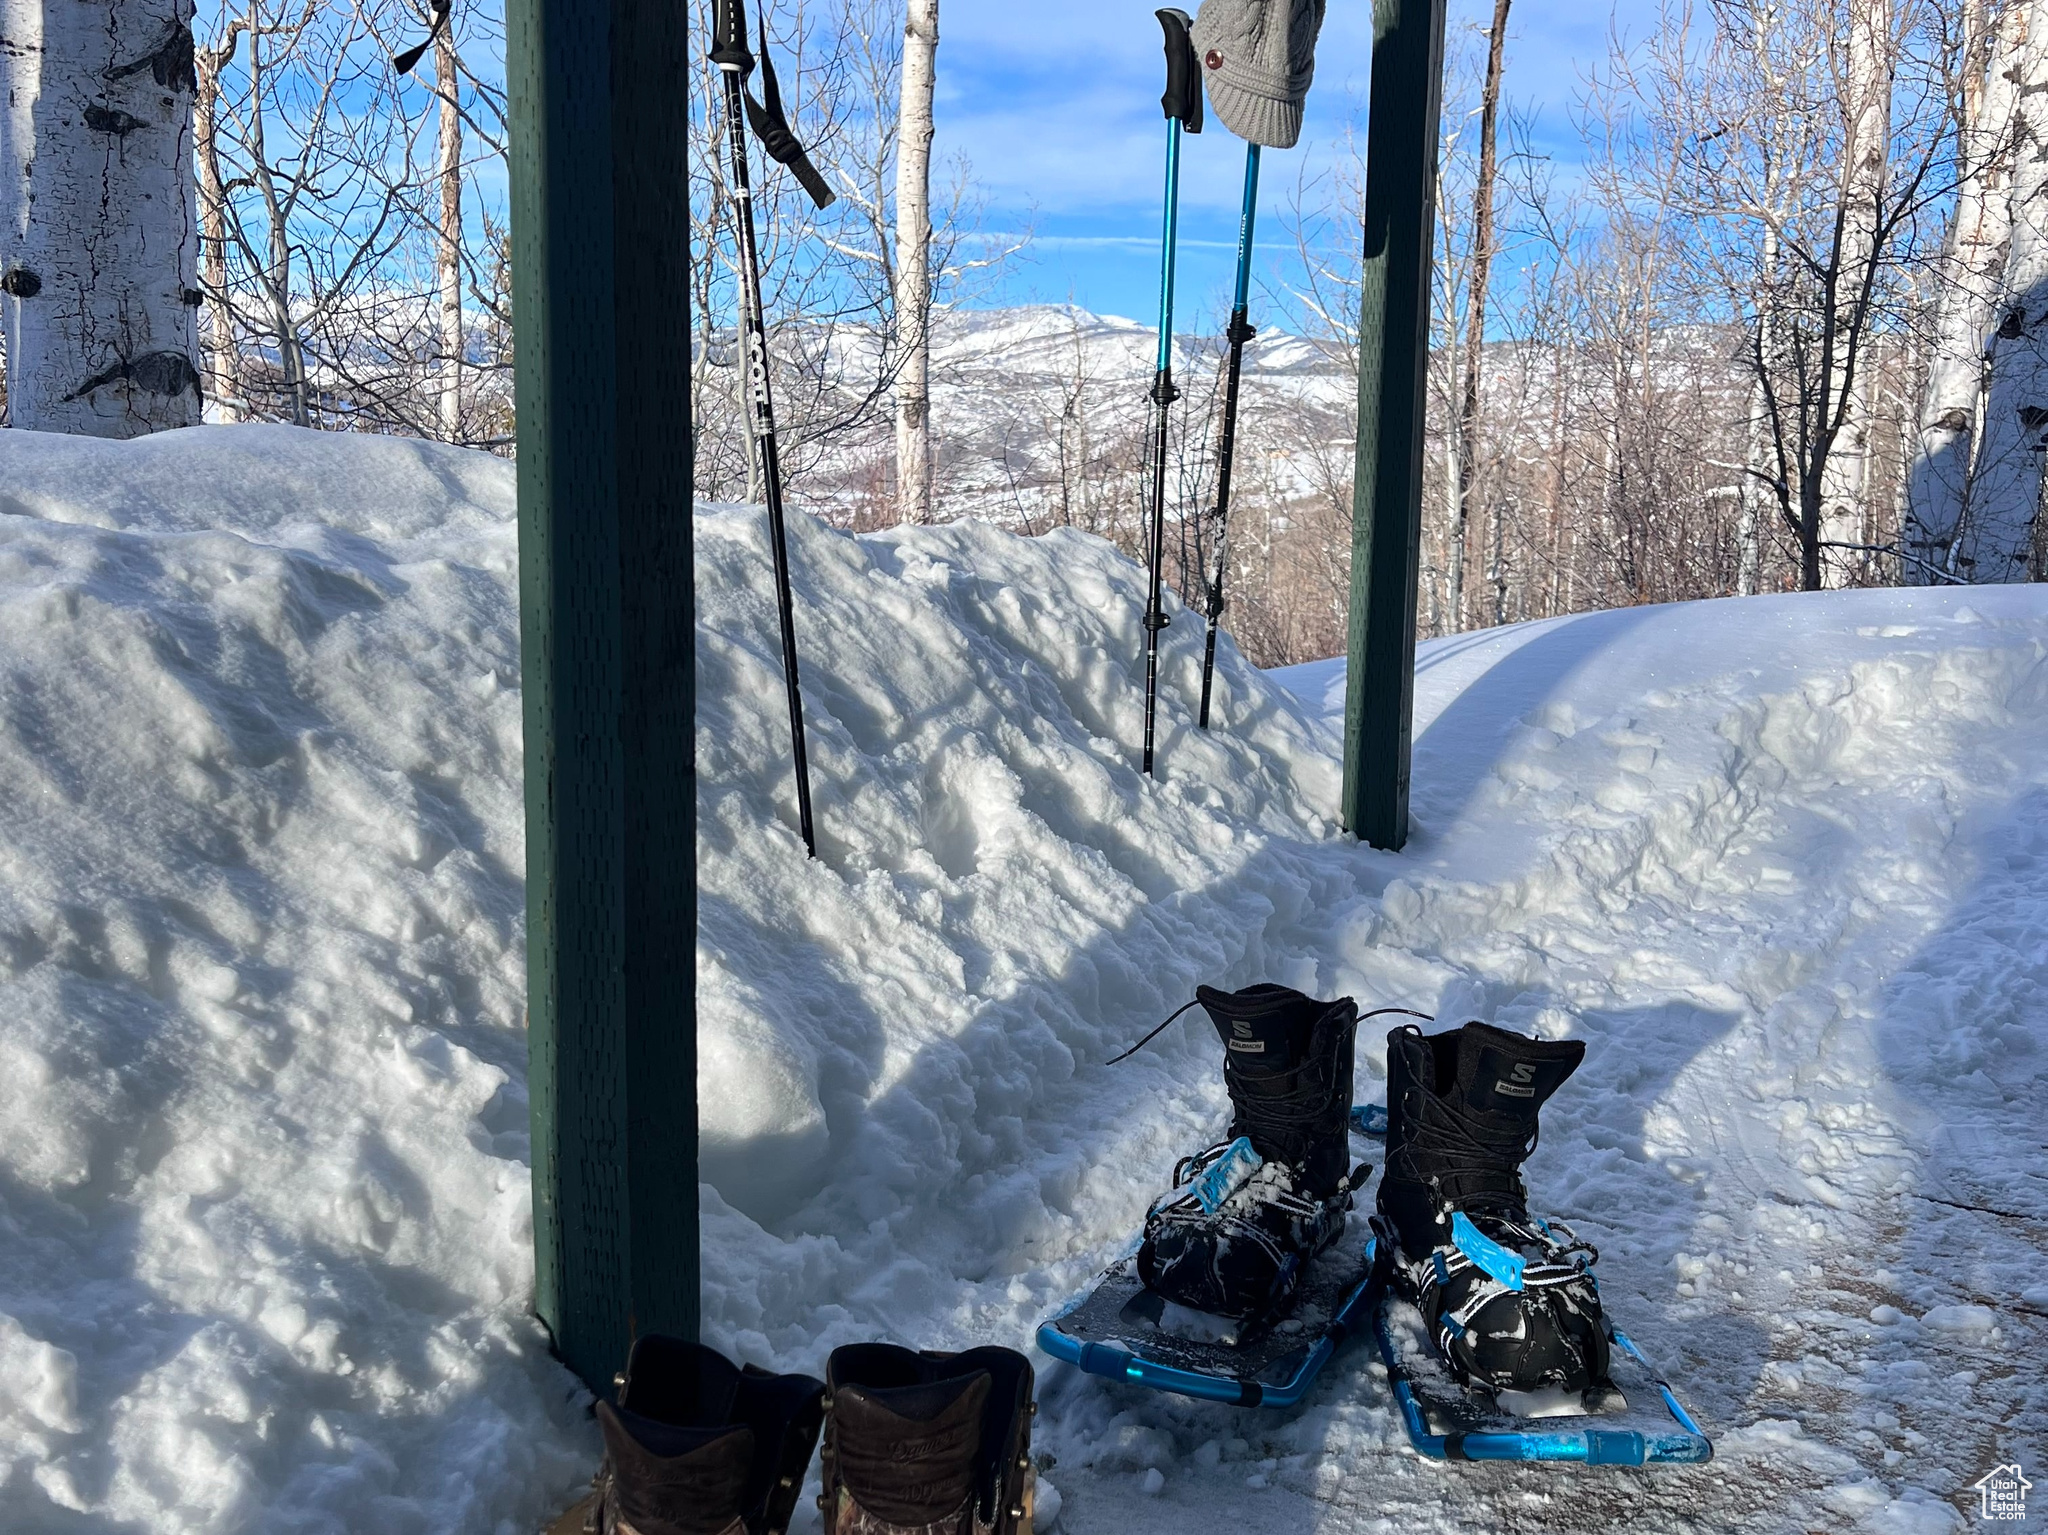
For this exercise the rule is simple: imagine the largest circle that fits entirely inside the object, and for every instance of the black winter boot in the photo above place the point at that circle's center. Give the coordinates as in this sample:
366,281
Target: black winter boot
928,1444
1245,1217
1511,1302
698,1446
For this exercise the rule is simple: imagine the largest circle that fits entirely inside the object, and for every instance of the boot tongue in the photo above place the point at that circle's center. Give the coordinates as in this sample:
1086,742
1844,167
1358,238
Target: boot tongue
673,1480
1510,1076
908,1454
1264,1028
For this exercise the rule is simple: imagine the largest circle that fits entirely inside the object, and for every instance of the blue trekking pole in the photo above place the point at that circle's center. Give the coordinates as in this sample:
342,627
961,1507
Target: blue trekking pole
1239,333
1182,104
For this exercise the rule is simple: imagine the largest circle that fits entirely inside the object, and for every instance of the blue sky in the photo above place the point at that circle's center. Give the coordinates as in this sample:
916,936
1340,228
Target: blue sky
1055,105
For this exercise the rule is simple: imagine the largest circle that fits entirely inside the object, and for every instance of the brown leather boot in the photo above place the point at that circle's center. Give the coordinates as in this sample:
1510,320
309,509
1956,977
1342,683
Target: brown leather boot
928,1444
698,1446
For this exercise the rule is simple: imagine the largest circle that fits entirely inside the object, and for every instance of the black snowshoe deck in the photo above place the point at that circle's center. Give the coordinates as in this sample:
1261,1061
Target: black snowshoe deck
1636,1422
1114,1331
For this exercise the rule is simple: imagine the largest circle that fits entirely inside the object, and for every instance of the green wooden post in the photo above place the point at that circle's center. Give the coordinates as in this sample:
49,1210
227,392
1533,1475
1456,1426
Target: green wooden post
600,248
1393,354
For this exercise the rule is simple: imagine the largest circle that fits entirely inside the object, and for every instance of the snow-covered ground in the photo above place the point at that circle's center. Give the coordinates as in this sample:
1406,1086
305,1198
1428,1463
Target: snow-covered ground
1782,862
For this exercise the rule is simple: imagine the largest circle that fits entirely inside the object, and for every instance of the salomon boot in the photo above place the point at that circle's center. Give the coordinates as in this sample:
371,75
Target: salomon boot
698,1446
928,1444
1244,1218
1511,1302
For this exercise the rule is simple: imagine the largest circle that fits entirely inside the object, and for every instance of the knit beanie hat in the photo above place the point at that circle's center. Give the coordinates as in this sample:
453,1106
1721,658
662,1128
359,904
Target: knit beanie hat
1258,57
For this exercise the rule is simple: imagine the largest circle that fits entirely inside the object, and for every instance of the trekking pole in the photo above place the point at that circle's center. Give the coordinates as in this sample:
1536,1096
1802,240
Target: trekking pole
1182,104
735,63
1239,333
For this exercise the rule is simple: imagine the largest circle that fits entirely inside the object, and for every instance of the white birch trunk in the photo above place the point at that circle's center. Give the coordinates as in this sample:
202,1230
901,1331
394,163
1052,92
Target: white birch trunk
224,384
1759,502
1966,308
913,296
1457,533
276,276
1996,535
1868,110
448,248
98,244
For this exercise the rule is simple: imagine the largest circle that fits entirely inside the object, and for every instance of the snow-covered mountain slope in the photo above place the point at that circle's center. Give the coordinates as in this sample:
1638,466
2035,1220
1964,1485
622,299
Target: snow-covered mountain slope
1782,862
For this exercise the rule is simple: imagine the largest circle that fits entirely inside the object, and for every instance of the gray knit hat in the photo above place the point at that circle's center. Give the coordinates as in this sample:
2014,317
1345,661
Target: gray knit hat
1258,57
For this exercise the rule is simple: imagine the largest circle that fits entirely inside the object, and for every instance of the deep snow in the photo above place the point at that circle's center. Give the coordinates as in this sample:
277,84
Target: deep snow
1782,862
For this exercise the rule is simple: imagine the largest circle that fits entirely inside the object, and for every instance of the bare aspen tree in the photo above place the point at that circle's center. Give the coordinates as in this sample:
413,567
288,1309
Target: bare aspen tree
1996,538
273,266
913,261
98,240
448,247
1754,491
1965,291
341,279
224,384
1475,319
1764,130
1866,92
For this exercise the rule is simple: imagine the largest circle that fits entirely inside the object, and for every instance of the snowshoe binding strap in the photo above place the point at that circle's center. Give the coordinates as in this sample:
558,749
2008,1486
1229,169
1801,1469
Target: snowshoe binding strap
1544,1330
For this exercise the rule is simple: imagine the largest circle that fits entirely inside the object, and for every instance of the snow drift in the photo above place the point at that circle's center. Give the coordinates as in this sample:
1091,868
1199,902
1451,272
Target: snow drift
264,1235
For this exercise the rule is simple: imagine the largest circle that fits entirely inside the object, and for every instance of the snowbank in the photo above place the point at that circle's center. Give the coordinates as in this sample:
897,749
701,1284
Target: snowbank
264,1256
262,1115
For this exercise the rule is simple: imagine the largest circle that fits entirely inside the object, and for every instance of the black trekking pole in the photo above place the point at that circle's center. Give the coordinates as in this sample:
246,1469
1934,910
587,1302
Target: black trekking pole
735,63
1182,104
1240,332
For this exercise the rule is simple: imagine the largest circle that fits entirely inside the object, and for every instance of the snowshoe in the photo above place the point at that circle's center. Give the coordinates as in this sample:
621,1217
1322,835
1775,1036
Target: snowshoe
1633,1419
1234,1235
1123,1331
1507,1303
928,1444
699,1446
1242,1286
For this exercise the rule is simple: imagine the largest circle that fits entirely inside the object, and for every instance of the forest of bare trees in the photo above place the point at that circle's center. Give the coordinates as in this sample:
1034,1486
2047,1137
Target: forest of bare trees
1777,323
1775,332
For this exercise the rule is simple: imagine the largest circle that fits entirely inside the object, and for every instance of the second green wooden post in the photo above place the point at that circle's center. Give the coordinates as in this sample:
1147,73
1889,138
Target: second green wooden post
1393,356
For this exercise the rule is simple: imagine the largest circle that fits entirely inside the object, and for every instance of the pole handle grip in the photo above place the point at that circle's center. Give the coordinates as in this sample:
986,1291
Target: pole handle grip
1183,98
729,36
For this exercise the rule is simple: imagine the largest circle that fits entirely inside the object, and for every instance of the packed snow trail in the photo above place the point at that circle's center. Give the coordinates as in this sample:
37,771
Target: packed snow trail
264,1236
